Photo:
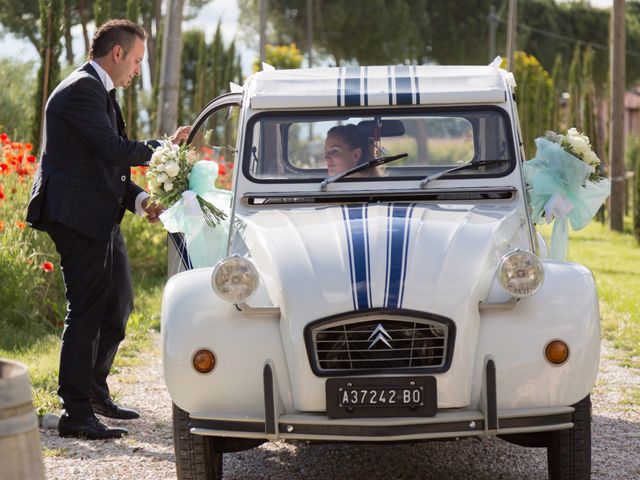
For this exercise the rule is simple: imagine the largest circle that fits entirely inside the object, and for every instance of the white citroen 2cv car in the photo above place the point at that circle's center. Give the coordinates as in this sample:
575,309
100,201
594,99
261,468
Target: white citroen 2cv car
381,279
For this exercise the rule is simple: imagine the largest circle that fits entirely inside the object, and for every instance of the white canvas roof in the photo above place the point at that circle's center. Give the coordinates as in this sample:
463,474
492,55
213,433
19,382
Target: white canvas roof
377,86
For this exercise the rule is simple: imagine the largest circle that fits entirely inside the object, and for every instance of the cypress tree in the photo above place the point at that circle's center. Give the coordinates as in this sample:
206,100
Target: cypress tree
153,114
131,92
553,110
588,97
51,13
574,116
217,63
201,77
101,12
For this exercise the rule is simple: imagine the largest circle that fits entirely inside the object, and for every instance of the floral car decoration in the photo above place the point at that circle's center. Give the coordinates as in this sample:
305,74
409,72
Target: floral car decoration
381,278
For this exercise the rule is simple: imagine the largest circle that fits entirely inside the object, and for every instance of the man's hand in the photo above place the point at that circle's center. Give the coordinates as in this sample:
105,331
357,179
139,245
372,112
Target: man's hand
181,135
152,209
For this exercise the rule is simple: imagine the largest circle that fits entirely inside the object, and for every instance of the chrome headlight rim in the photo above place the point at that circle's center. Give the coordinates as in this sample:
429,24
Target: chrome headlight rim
536,270
234,267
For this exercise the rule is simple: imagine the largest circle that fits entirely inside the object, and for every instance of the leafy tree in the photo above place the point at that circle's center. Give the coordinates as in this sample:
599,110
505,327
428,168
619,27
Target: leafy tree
380,31
457,32
280,56
16,105
20,17
49,71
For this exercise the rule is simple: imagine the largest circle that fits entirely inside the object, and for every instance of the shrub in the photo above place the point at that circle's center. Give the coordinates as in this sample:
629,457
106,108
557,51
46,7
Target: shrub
31,294
18,82
636,202
32,298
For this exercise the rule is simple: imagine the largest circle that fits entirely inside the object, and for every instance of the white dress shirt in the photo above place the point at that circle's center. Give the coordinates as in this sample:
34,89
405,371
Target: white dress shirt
108,85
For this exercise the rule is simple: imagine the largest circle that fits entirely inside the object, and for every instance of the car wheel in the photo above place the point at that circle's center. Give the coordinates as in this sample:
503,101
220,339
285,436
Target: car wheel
569,451
196,458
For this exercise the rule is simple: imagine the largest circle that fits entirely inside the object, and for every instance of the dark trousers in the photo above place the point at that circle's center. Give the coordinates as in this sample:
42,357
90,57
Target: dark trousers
97,280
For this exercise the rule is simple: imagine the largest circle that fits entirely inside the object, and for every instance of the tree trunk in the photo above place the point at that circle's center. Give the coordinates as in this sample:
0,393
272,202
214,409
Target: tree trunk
616,145
83,20
170,73
152,23
151,44
68,40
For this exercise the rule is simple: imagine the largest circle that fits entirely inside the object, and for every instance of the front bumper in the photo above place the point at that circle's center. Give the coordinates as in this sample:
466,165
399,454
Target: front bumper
447,423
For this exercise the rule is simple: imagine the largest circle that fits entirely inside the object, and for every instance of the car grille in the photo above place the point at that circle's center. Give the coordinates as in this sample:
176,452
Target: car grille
380,343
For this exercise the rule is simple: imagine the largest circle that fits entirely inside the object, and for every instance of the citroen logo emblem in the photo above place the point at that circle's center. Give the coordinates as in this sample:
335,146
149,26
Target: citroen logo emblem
379,334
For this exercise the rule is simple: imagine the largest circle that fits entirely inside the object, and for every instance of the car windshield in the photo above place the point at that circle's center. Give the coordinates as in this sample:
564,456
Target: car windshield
312,147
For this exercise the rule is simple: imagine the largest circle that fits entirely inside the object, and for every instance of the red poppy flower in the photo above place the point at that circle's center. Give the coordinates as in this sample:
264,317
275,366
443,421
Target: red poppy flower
1,225
4,138
20,225
222,170
4,167
28,146
2,195
47,266
31,159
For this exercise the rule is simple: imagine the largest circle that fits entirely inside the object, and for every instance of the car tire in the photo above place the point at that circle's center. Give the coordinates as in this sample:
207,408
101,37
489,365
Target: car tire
569,451
196,458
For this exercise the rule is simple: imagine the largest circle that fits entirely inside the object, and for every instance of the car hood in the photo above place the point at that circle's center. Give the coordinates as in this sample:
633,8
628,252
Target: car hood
317,262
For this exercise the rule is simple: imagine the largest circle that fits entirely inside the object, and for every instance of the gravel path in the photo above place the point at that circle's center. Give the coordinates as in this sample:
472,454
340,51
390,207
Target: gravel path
148,451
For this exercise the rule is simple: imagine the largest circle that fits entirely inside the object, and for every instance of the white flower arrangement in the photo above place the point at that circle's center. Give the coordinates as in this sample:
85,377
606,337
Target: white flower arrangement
578,145
565,185
168,178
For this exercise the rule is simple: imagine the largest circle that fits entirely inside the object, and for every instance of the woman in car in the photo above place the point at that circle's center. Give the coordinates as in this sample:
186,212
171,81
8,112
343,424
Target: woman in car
346,147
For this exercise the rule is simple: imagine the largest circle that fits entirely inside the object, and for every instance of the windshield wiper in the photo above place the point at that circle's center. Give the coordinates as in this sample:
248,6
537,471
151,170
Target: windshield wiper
479,163
358,168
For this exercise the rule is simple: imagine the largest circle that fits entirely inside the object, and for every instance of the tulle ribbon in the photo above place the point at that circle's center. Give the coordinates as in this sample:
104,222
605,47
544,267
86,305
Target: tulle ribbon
205,245
560,190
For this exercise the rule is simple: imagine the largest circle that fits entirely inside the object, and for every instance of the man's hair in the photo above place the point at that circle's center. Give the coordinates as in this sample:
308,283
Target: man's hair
115,32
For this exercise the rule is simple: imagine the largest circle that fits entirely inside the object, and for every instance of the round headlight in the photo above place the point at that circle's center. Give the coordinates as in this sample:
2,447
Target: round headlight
520,273
235,279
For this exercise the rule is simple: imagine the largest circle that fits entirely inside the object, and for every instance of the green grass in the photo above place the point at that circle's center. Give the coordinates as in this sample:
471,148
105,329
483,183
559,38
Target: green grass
41,357
614,259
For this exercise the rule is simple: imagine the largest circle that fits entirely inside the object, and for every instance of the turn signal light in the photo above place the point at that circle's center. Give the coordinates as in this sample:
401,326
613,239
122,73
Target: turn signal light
556,352
204,361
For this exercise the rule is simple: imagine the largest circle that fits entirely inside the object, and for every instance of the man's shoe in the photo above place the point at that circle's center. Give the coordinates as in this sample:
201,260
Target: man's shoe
107,408
90,428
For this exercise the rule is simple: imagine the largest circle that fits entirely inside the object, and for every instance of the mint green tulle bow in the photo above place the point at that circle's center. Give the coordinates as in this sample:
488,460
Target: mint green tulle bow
205,244
559,189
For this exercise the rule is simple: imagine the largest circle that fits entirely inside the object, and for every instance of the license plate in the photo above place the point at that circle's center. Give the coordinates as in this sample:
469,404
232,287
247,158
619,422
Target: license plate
381,397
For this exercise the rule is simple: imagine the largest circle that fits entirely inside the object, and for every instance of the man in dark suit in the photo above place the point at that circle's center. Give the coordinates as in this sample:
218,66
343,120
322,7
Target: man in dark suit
80,193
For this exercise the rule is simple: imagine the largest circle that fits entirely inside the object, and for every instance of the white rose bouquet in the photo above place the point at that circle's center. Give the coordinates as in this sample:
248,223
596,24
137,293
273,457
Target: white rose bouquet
578,145
169,177
565,185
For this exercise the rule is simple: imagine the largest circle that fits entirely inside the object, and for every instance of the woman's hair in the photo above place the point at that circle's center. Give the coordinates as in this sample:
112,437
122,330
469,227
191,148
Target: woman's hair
350,135
115,32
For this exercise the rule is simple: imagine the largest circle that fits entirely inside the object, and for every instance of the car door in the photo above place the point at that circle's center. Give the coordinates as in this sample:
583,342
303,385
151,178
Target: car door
214,137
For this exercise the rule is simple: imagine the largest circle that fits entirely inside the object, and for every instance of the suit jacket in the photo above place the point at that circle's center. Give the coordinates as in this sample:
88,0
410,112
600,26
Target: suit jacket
83,178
